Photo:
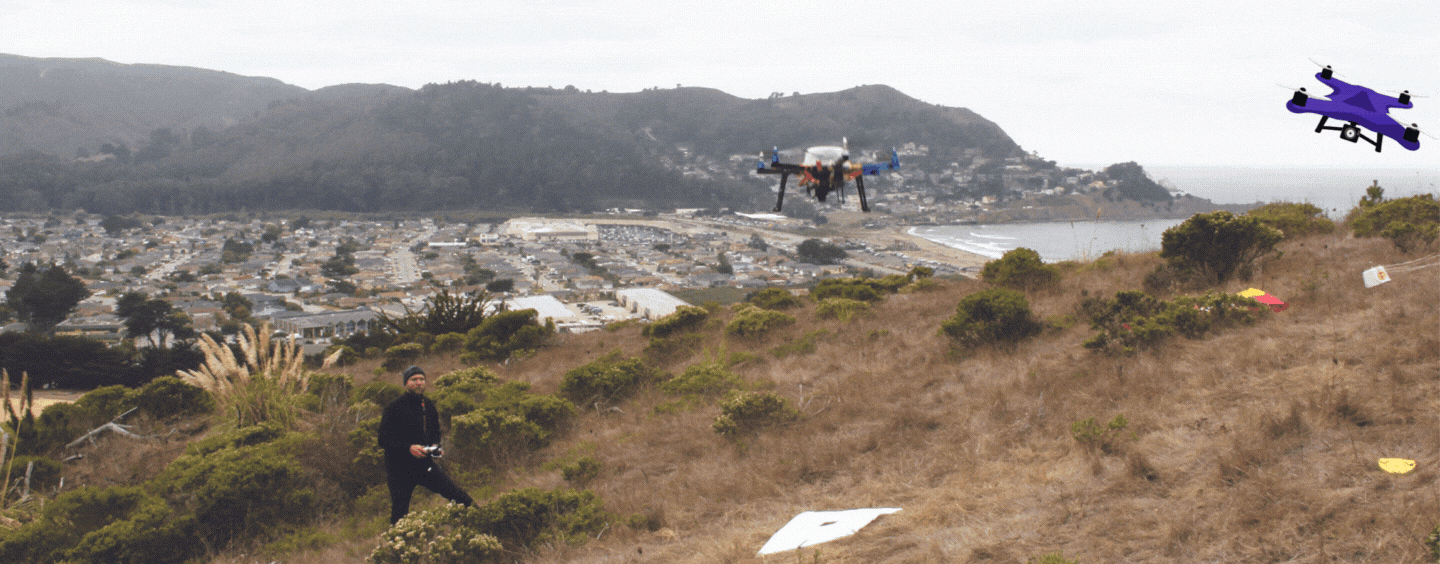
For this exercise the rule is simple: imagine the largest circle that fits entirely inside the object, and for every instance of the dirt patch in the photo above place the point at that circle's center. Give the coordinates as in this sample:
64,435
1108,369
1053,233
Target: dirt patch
46,398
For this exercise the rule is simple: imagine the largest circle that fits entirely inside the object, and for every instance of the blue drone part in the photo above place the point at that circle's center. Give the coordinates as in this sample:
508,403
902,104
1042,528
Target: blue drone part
1359,107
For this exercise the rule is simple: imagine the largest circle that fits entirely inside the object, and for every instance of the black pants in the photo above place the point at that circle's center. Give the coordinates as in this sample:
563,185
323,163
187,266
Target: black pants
402,482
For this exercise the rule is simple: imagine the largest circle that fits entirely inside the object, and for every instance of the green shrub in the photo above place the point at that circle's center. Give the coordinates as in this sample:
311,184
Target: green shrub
444,535
664,349
606,379
331,388
997,316
1093,436
168,396
581,471
1409,223
804,345
448,342
348,355
525,518
1292,219
1218,244
1021,269
707,379
44,474
507,334
369,462
1052,558
402,355
861,289
90,524
774,298
470,380
242,484
751,321
103,404
747,413
1133,320
1432,543
509,422
378,392
685,318
842,309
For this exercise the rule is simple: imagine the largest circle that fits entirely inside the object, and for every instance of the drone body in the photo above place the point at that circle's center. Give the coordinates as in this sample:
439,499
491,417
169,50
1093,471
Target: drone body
825,169
1360,107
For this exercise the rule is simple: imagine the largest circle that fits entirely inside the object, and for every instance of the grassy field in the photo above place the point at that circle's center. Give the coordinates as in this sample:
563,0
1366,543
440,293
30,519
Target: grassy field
1256,444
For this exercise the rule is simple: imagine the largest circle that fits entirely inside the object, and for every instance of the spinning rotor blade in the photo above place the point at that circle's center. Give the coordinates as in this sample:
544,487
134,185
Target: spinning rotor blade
1332,69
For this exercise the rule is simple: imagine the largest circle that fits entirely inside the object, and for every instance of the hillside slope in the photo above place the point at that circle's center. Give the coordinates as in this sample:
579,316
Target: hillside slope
1257,444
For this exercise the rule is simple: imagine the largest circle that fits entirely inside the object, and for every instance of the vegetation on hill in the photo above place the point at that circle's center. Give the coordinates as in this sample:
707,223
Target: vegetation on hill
1199,414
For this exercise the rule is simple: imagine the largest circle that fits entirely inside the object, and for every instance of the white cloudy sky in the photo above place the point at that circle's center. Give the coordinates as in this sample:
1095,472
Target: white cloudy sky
1083,83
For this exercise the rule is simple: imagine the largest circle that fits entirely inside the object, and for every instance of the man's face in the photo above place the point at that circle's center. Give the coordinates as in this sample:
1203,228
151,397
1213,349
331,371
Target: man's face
416,383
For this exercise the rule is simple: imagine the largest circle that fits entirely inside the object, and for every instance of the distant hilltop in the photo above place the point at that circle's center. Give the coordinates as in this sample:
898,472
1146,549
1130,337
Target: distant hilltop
117,139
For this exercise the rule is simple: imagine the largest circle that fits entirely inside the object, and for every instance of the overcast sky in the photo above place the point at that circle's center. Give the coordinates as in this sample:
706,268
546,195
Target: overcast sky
1082,83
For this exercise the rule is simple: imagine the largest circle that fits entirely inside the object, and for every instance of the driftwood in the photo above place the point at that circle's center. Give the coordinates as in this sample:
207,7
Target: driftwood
113,426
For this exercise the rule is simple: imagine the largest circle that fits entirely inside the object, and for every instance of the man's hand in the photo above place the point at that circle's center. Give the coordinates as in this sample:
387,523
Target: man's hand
417,451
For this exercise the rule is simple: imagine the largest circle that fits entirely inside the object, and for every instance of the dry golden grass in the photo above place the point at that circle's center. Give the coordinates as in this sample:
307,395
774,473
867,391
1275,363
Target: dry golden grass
1258,444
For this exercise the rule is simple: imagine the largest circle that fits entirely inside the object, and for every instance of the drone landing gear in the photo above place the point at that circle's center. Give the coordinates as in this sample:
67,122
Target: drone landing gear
780,200
860,189
1350,132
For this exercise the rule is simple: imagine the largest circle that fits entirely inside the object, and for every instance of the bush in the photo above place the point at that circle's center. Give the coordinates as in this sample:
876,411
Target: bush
1021,269
402,355
168,396
45,473
377,392
995,316
861,289
448,342
442,535
1134,320
510,422
708,379
90,524
840,308
672,348
685,318
1409,223
581,471
1218,244
505,334
751,321
774,298
525,518
1292,219
242,484
1093,436
747,413
607,378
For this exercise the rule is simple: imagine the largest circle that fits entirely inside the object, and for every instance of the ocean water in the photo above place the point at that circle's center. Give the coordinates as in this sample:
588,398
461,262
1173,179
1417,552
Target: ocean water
1334,190
1055,241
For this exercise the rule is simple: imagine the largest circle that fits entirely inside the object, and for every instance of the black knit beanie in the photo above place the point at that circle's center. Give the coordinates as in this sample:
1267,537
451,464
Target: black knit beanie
413,370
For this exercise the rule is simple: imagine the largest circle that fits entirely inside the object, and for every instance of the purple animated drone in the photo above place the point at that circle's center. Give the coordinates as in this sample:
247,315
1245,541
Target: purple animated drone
1360,107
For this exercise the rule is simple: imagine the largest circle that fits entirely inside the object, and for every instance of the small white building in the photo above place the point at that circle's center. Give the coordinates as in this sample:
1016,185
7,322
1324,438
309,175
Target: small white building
650,303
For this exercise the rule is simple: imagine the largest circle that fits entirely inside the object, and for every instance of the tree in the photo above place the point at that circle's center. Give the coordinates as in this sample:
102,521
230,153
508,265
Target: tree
153,317
815,251
43,297
1218,244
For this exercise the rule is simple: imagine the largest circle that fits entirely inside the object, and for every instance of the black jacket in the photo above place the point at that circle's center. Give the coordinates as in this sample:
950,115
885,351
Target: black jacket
409,420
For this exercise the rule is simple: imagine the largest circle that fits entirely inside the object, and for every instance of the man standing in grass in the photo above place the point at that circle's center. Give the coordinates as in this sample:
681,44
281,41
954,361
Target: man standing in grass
408,426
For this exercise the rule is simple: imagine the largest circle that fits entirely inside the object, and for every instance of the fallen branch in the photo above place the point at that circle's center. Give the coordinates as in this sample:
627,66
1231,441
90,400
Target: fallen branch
113,426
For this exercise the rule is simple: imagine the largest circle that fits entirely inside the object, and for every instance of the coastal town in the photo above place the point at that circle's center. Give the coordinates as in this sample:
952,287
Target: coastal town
322,279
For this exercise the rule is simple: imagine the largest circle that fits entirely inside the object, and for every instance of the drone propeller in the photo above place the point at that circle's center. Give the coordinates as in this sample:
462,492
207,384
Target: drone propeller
1417,129
1327,68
